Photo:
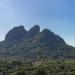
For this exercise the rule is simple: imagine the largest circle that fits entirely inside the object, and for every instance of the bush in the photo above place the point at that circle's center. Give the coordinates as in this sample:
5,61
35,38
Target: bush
20,73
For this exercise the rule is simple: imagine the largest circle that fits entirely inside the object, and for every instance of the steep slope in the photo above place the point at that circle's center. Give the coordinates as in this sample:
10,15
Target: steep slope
16,34
33,44
33,31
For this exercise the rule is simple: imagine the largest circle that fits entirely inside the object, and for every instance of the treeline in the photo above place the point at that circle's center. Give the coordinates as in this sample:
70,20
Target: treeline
42,67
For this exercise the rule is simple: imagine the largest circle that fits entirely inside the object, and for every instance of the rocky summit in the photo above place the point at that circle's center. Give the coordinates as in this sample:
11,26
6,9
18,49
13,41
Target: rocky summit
34,44
16,34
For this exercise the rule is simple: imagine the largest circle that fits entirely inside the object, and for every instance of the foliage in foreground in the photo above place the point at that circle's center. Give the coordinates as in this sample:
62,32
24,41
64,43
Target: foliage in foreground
43,67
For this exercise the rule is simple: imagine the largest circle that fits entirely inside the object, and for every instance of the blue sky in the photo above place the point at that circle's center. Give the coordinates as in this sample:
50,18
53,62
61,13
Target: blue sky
56,15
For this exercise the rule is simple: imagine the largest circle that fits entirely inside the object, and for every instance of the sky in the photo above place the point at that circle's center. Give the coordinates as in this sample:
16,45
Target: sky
56,15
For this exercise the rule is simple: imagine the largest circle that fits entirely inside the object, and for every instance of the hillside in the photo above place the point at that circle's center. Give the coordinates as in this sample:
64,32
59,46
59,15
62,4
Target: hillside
35,44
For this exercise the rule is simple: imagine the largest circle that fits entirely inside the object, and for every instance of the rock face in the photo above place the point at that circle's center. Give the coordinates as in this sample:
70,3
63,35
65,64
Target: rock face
49,36
16,34
20,43
33,31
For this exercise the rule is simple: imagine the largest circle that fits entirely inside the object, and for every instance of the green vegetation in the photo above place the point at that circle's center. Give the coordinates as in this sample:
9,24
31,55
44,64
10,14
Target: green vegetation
42,67
34,44
35,52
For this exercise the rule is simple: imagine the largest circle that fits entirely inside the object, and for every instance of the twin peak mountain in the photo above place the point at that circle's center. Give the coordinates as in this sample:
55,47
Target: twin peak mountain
34,44
17,34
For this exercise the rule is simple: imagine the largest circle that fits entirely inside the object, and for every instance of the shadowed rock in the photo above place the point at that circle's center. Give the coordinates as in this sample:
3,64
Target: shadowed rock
33,31
16,34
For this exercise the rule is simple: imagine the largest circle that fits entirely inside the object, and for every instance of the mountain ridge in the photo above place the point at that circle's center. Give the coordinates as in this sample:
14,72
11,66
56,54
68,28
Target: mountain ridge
35,44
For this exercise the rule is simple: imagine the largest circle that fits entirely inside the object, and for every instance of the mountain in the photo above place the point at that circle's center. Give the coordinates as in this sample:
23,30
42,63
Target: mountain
34,44
16,34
